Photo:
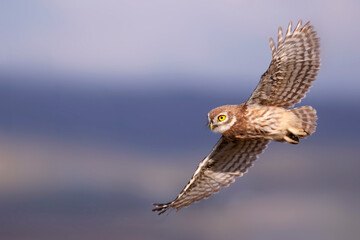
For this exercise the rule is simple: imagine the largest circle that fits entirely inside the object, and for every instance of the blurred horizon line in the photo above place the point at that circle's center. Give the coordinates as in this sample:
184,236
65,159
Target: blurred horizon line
161,83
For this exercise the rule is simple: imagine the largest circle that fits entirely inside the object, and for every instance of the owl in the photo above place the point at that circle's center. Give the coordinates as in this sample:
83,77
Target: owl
267,115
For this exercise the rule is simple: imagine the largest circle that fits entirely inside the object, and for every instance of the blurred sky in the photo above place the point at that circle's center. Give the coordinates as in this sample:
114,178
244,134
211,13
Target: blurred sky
219,40
103,112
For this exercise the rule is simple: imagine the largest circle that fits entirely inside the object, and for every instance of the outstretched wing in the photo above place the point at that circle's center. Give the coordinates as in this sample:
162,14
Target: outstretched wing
294,66
228,160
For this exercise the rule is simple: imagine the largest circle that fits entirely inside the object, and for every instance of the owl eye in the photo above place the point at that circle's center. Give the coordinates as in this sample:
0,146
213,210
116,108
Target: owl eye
221,118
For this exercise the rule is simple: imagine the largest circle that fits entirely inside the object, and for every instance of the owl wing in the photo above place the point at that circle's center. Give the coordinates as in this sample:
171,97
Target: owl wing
228,160
294,66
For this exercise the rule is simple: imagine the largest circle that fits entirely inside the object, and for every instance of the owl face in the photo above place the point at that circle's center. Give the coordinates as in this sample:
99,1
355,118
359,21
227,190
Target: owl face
221,119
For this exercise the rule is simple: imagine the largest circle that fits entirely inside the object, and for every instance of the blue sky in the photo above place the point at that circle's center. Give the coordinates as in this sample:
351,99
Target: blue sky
223,41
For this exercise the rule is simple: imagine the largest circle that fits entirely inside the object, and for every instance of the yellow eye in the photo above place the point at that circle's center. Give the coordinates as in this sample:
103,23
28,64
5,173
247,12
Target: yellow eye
221,118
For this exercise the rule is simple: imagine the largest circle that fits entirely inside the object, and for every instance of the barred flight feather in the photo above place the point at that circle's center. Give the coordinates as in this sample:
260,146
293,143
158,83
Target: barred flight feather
228,160
294,65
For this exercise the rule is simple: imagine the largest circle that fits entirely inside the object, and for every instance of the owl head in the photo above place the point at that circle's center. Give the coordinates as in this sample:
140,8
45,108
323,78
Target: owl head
222,118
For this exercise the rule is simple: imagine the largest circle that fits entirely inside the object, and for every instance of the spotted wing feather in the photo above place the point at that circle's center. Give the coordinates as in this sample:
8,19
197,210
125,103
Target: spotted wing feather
227,160
293,68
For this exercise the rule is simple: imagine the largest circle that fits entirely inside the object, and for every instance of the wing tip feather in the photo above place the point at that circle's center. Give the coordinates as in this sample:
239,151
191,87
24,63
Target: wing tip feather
280,35
272,47
161,207
298,25
288,31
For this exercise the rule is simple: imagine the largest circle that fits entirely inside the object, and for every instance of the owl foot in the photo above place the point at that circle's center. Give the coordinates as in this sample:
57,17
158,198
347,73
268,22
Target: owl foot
291,138
298,132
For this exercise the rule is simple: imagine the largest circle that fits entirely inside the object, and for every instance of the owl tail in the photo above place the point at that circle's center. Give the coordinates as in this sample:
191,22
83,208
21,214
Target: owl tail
306,122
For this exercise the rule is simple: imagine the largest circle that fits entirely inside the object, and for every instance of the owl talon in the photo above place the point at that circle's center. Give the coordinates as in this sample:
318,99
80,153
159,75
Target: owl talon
298,132
291,138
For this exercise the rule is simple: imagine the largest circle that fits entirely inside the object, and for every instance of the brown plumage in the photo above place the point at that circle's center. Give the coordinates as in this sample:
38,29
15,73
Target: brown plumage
247,128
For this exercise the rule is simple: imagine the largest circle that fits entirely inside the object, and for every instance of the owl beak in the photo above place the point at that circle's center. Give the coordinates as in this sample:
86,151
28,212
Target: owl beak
211,126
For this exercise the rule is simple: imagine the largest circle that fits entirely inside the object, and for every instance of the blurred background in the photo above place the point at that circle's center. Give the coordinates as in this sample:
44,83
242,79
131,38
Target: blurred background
103,112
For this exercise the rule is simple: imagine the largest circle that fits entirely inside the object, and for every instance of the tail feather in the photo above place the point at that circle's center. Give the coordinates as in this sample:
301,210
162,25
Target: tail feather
307,116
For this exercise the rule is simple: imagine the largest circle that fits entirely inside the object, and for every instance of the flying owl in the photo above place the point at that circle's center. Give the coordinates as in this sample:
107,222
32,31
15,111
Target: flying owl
247,128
